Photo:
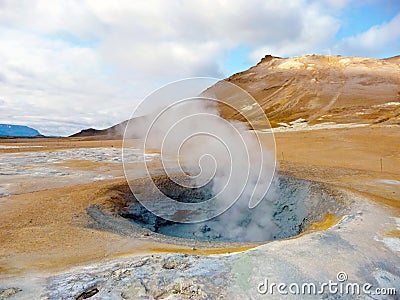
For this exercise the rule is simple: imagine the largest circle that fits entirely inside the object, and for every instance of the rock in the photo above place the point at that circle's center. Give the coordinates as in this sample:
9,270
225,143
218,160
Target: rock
121,273
182,289
88,293
134,290
9,292
140,263
205,228
175,263
166,276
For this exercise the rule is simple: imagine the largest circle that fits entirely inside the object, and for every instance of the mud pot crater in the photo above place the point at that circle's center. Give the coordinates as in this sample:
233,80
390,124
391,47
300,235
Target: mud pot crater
291,207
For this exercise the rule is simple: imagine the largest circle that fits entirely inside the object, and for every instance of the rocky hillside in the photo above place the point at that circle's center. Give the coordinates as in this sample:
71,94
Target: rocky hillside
116,131
312,89
319,89
113,132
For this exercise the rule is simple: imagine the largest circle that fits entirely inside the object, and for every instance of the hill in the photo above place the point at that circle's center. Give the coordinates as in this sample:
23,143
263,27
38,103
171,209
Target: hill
319,89
18,131
312,89
113,132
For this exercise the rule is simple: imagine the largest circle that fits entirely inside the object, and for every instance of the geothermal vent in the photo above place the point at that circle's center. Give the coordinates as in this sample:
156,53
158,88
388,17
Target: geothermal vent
288,209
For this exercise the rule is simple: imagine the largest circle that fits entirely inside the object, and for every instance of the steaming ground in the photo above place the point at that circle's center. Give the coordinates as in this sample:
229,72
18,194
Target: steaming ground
288,209
205,147
47,238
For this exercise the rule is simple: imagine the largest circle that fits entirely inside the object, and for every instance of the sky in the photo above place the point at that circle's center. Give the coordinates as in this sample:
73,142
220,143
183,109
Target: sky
70,65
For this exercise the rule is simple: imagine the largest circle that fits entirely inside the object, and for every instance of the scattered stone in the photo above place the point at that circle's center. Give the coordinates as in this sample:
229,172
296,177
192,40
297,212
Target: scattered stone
88,293
121,273
169,265
134,290
182,289
175,263
170,276
140,263
9,292
205,228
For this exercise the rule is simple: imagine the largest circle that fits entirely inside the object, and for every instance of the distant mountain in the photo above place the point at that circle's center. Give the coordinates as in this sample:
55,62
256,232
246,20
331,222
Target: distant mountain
18,130
114,132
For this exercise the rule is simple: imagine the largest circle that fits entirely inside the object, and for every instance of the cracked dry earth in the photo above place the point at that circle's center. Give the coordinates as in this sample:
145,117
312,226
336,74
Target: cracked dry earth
52,249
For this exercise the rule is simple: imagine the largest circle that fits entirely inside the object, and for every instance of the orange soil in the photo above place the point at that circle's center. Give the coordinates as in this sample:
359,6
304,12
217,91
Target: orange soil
50,229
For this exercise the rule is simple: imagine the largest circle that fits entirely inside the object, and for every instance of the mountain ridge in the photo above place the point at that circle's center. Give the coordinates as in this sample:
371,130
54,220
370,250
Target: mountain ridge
10,130
314,89
321,89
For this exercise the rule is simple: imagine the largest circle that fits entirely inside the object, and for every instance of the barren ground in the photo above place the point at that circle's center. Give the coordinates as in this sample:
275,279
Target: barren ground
49,229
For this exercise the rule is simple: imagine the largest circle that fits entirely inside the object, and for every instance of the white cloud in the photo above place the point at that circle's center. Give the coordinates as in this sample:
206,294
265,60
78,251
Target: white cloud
378,39
190,37
75,64
337,4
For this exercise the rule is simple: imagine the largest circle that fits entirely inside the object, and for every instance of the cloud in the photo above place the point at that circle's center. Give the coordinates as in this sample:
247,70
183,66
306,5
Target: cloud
51,78
191,37
337,4
74,59
376,40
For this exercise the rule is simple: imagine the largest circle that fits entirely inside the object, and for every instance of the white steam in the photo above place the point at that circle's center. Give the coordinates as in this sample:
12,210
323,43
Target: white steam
196,143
